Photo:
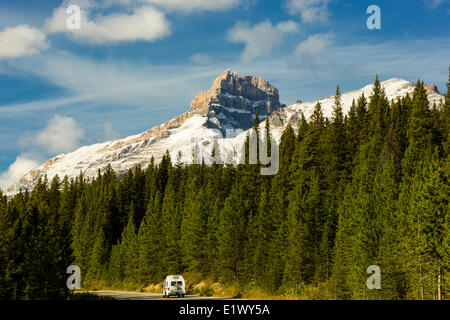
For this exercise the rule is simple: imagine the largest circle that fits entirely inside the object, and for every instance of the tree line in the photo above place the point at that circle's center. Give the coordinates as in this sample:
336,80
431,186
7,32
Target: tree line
367,188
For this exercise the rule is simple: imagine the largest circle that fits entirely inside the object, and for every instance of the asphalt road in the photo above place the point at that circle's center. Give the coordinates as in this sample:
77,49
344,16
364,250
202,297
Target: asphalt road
128,295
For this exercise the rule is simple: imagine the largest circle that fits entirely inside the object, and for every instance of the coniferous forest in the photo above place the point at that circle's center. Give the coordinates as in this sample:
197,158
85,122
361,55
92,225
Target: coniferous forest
367,188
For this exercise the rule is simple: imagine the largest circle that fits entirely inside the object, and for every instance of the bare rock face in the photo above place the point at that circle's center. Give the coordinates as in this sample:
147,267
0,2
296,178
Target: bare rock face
431,88
233,101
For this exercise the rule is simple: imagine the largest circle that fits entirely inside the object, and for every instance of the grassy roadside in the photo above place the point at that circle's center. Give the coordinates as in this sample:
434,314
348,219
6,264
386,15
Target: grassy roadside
196,285
83,296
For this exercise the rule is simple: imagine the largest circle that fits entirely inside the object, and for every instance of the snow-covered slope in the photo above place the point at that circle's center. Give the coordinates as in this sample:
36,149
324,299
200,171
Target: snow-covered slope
222,115
394,88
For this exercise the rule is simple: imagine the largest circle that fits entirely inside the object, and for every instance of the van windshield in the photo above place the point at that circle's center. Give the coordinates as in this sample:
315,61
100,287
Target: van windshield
173,283
180,283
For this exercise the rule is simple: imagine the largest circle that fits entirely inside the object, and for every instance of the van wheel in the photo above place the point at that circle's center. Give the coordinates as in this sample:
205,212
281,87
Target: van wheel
182,295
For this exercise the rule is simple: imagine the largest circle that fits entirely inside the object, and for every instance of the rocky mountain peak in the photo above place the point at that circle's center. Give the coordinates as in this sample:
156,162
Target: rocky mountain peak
233,101
431,88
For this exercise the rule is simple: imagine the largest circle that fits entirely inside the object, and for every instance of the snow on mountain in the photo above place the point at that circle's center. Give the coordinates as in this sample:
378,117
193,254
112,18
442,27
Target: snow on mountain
219,117
394,88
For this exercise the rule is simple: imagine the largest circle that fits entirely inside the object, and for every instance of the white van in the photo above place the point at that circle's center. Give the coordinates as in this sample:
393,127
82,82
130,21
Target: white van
174,286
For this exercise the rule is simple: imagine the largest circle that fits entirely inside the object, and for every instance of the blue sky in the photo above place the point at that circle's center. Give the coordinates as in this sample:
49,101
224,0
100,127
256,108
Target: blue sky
137,63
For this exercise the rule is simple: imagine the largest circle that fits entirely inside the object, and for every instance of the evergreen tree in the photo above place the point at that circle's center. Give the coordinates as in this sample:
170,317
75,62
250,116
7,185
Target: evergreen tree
378,112
151,244
231,235
424,204
193,237
303,232
264,231
171,222
129,249
419,133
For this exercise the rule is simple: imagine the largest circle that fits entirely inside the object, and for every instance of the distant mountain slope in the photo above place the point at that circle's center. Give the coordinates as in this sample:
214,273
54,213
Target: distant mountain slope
394,88
224,113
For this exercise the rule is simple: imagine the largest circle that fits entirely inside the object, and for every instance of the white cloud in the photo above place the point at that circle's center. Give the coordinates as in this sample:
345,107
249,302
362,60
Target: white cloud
62,134
21,40
90,83
181,5
309,54
144,23
195,5
48,103
261,38
23,164
143,20
113,82
200,58
435,3
147,20
109,132
314,44
310,10
287,27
